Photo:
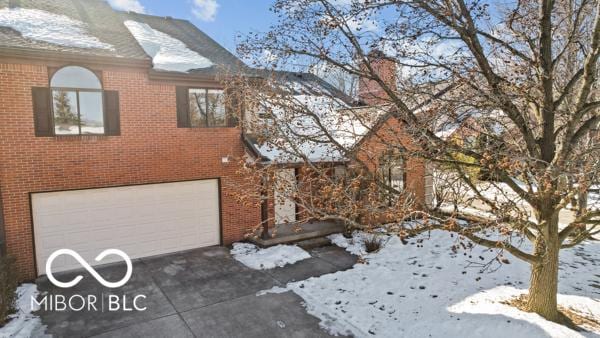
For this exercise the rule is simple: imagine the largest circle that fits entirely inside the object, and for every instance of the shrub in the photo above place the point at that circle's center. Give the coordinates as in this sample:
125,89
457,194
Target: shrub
373,243
8,287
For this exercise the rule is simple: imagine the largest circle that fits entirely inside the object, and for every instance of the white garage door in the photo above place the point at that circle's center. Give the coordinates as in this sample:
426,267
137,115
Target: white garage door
142,220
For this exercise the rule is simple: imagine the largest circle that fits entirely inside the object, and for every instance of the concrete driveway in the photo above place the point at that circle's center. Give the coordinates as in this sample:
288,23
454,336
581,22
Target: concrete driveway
199,293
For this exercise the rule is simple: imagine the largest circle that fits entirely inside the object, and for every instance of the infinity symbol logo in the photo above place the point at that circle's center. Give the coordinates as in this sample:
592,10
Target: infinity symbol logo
91,270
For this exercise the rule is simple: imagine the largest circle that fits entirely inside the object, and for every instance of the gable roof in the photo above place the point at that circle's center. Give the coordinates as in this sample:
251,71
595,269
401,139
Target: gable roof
300,133
194,39
303,83
97,18
61,24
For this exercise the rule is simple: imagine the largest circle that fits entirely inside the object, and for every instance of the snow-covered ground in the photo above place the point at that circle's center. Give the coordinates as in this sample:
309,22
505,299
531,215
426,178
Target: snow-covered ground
594,201
24,324
426,289
269,258
356,245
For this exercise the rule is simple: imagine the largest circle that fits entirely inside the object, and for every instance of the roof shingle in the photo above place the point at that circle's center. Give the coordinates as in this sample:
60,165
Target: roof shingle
106,24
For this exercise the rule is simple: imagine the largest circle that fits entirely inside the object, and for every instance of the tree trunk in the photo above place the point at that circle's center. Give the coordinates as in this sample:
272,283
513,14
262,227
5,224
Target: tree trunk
544,275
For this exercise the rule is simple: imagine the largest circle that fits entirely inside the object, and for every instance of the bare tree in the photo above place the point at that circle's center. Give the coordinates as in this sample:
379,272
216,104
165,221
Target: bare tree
343,81
525,71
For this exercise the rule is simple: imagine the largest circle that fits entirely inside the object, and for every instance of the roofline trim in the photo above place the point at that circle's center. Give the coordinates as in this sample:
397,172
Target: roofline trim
163,75
39,55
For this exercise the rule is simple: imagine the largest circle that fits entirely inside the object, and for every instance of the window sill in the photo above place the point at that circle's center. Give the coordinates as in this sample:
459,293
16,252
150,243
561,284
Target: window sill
78,138
209,128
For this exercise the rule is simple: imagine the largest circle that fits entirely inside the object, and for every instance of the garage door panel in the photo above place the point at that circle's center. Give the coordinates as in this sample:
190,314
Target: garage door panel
141,220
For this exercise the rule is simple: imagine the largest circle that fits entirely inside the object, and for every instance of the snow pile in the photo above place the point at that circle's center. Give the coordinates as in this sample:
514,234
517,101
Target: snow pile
167,53
263,259
356,244
57,29
24,324
425,288
490,302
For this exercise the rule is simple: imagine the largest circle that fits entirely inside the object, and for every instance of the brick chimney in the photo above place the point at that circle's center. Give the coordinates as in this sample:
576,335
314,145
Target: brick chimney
369,91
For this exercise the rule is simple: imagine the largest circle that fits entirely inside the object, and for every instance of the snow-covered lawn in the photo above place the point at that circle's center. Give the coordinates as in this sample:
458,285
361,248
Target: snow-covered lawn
426,289
263,259
24,324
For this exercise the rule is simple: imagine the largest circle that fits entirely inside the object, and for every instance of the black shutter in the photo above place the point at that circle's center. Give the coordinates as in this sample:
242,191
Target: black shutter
42,111
183,107
112,119
235,108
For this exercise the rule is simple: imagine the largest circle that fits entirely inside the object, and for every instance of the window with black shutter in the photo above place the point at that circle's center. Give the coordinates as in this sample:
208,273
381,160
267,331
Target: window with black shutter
42,111
203,108
75,104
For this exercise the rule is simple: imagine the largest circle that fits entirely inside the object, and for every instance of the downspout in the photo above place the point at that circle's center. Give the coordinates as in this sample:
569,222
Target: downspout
264,209
2,231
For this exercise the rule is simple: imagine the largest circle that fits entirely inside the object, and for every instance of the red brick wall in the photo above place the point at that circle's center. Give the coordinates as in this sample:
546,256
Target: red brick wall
151,149
369,91
392,132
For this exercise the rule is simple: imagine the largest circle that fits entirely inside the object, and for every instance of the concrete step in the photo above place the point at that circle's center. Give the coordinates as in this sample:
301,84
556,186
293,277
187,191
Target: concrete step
318,242
307,234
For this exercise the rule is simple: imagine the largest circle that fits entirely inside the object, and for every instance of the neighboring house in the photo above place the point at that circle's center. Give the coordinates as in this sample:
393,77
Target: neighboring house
113,134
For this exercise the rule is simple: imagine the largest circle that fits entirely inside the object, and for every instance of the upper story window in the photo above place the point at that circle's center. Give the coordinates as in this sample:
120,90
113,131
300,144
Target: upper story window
207,108
77,102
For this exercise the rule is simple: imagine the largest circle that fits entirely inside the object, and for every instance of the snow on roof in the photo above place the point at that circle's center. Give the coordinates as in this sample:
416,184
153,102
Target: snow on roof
299,131
53,28
304,135
448,131
167,52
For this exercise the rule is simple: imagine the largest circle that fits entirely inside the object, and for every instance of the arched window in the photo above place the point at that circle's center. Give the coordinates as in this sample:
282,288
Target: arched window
77,102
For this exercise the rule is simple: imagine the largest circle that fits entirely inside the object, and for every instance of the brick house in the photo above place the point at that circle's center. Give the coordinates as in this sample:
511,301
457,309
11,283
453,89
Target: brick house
114,134
103,144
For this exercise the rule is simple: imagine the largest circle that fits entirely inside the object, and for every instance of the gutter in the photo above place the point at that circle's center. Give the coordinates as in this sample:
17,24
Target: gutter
250,146
68,57
216,76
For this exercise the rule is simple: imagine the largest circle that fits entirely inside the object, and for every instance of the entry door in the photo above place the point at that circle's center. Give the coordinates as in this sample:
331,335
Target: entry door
285,207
